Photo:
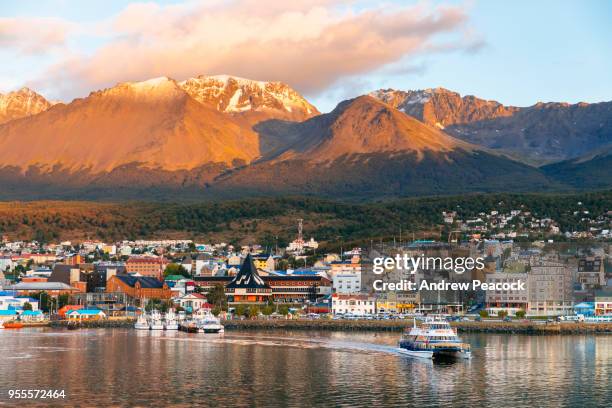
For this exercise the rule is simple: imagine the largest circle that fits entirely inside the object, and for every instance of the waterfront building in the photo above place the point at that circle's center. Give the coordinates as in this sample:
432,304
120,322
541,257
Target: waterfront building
247,285
285,288
86,314
550,289
603,303
355,304
397,302
586,309
194,302
138,288
32,316
9,301
508,300
6,315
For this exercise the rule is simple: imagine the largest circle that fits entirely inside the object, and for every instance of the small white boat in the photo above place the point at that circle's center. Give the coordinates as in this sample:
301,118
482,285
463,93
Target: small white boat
170,321
155,322
142,323
434,339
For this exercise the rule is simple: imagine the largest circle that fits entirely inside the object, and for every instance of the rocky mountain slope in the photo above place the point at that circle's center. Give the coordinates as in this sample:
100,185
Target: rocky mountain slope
366,148
538,134
226,137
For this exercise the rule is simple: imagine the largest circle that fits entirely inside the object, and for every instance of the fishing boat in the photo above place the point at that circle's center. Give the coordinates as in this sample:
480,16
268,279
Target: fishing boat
170,321
434,339
13,325
142,323
155,322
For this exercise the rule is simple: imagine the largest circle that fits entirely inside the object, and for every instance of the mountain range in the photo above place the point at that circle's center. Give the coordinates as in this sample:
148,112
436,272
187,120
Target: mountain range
223,136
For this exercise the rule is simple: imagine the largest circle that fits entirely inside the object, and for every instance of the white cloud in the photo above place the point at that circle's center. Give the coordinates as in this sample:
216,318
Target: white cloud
307,44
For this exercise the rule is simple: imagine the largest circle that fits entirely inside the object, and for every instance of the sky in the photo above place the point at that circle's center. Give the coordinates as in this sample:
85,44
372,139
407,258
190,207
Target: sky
517,52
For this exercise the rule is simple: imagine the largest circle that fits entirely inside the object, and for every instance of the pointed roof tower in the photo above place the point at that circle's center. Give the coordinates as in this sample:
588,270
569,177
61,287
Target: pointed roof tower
248,278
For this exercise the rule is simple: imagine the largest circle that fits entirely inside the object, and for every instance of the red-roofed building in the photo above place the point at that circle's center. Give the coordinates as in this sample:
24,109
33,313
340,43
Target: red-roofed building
194,302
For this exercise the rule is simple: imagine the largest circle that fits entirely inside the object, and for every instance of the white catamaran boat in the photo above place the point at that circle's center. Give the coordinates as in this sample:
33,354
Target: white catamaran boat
142,323
171,323
155,322
208,323
434,339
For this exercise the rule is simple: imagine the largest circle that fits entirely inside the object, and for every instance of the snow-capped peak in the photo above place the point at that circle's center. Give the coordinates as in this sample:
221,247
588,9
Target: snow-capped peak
21,103
235,95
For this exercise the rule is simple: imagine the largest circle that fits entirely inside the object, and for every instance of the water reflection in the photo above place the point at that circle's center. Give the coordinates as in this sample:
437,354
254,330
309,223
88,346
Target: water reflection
155,368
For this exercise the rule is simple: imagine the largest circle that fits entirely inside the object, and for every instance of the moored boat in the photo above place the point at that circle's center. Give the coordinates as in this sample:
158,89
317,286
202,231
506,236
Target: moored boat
142,323
434,339
13,325
155,322
170,321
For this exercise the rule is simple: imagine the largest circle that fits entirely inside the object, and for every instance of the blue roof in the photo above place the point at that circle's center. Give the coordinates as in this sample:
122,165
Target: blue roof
145,281
8,312
32,313
86,311
585,305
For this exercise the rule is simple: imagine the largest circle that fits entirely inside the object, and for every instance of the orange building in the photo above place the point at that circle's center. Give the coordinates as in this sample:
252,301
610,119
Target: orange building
139,287
146,265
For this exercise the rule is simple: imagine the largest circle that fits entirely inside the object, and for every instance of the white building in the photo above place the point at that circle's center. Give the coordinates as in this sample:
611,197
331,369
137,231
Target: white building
347,283
355,304
193,302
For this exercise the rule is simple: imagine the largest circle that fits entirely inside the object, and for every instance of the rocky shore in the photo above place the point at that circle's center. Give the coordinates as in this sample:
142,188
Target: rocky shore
400,325
378,325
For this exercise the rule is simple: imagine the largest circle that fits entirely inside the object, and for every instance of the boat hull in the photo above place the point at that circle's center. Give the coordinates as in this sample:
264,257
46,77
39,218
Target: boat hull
416,353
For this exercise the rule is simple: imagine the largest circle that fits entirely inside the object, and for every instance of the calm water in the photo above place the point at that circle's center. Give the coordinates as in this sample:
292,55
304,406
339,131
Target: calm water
270,369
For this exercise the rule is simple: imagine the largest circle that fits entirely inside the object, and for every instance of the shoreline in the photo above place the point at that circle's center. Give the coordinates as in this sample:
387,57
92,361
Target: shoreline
368,325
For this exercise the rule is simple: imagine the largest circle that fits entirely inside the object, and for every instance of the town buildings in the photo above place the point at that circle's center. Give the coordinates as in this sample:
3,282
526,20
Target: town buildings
355,304
550,289
146,265
138,288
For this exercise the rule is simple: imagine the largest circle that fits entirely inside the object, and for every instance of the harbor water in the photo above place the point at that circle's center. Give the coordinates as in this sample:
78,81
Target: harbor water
126,367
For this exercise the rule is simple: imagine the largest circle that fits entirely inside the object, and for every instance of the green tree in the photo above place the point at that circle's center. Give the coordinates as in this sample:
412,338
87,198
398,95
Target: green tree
253,311
267,310
216,296
284,310
240,310
483,314
63,300
27,306
520,314
176,269
502,314
216,310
